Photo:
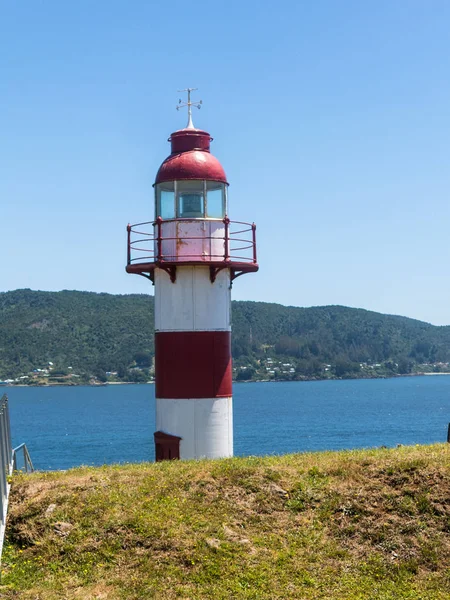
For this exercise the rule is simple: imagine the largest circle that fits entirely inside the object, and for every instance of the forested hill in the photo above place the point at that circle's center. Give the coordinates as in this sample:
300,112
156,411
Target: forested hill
96,334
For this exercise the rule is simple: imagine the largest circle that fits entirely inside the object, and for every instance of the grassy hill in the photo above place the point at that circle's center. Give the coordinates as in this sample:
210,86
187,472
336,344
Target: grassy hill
99,333
356,525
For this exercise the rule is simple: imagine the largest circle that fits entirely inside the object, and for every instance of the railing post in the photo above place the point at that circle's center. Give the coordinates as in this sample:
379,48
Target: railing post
28,459
159,238
254,242
227,233
6,460
129,244
4,464
8,428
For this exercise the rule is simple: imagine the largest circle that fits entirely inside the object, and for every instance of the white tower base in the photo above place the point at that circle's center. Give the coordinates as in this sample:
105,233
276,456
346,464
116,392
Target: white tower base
204,424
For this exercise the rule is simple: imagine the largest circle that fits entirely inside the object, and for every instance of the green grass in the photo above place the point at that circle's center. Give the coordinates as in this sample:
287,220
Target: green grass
359,525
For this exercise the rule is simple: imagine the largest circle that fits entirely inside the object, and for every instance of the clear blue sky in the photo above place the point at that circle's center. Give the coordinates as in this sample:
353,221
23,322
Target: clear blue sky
331,118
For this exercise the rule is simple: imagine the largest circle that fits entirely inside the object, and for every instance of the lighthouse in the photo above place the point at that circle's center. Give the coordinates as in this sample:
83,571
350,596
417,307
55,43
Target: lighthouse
192,252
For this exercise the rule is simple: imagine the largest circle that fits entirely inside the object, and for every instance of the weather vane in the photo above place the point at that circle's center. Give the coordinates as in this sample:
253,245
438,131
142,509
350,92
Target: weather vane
189,104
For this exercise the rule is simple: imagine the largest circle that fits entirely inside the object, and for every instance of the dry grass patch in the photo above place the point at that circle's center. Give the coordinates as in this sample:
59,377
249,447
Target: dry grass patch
346,525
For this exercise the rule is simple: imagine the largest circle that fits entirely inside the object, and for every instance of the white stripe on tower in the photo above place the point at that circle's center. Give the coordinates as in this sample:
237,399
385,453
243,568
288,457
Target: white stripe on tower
193,360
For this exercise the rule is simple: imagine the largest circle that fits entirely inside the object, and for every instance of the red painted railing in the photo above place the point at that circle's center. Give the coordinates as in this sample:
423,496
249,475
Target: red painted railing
144,246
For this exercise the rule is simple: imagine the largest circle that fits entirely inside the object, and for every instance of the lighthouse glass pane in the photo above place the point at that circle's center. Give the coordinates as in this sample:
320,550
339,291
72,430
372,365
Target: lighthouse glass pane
167,205
190,199
215,200
165,201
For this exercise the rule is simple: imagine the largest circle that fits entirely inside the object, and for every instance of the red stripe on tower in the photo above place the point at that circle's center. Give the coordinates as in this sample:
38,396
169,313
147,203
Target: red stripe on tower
193,364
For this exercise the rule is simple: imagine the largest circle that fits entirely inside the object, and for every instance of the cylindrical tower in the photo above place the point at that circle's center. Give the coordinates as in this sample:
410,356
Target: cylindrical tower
197,252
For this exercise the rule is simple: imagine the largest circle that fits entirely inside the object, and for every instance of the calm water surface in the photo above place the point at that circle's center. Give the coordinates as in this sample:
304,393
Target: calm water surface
70,426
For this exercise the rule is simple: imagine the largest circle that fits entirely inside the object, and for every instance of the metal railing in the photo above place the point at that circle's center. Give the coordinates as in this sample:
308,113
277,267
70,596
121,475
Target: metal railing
239,245
27,464
8,463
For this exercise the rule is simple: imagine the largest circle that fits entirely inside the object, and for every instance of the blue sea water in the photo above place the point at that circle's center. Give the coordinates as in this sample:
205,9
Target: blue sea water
65,427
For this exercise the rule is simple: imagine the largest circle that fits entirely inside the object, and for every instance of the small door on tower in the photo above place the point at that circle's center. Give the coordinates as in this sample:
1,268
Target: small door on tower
167,446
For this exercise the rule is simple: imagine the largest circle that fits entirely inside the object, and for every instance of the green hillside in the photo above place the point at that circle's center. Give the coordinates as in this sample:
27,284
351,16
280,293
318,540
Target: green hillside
99,333
358,525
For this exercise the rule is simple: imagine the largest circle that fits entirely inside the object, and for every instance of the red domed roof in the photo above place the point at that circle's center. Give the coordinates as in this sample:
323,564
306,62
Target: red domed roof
195,164
190,158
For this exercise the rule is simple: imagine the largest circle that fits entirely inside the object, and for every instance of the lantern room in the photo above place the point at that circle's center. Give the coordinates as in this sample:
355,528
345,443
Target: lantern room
191,223
191,199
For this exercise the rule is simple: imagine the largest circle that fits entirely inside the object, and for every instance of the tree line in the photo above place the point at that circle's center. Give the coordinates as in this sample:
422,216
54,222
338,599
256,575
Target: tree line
100,333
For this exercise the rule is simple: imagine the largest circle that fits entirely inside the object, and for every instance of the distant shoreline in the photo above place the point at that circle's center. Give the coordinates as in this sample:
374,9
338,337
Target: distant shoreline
106,383
10,385
433,373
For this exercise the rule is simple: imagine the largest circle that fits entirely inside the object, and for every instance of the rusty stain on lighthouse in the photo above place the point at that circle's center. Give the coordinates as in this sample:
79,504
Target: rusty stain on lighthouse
192,252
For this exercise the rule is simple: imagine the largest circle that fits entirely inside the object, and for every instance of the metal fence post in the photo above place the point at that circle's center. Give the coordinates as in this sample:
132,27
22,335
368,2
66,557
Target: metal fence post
5,464
8,463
